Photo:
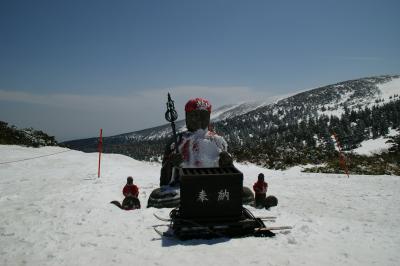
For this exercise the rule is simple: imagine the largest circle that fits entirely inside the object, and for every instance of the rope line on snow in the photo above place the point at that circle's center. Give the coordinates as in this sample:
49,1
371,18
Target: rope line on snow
51,154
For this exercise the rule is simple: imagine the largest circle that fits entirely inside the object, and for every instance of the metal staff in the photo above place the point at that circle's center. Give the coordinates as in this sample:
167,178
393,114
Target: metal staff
171,116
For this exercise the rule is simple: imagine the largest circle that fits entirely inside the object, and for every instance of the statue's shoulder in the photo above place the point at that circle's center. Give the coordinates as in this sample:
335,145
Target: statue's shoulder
170,146
219,140
213,134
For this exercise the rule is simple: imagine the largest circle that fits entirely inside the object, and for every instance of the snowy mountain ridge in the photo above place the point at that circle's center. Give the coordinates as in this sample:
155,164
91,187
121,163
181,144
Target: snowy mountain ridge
327,100
351,94
274,132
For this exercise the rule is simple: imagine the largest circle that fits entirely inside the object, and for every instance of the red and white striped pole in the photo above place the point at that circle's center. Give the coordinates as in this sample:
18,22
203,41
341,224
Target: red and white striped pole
100,148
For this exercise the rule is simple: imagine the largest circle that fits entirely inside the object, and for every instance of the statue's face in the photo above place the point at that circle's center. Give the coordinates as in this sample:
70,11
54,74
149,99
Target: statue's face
198,119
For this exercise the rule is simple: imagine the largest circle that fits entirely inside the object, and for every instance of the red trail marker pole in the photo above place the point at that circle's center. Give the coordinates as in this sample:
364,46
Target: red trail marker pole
100,148
342,158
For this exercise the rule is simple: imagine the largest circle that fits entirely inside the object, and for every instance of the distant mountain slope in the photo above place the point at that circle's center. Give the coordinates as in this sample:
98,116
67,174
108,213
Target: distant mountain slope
294,130
327,101
298,129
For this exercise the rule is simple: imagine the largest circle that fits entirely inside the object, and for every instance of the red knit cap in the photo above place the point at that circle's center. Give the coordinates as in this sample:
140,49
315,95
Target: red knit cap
197,104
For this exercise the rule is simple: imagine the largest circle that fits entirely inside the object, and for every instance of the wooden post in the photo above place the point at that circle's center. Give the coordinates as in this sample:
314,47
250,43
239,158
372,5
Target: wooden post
100,148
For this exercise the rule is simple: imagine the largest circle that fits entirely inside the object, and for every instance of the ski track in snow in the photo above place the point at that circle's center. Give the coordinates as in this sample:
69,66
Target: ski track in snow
55,211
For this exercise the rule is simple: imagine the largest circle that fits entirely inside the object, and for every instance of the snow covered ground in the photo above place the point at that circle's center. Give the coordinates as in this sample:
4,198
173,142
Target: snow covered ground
390,88
55,211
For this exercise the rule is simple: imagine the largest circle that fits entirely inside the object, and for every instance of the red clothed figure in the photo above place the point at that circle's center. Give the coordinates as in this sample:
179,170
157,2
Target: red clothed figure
260,187
130,190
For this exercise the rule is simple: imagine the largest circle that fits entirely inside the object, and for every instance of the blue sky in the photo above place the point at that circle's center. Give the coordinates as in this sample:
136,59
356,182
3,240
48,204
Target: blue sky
108,64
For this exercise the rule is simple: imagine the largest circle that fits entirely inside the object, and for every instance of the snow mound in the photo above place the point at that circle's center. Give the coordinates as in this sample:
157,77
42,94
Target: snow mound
375,146
55,211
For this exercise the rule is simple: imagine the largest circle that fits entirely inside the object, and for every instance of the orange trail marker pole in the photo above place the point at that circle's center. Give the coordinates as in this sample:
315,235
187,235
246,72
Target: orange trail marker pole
100,148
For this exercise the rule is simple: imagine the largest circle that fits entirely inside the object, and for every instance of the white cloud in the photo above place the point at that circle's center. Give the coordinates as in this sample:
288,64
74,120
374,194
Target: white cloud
354,58
217,95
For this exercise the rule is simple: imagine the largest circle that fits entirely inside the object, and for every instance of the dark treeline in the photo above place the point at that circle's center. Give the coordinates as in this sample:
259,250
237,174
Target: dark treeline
11,135
144,150
283,142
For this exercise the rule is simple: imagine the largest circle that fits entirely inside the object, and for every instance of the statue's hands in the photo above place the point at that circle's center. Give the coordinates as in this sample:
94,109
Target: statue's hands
225,160
176,159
